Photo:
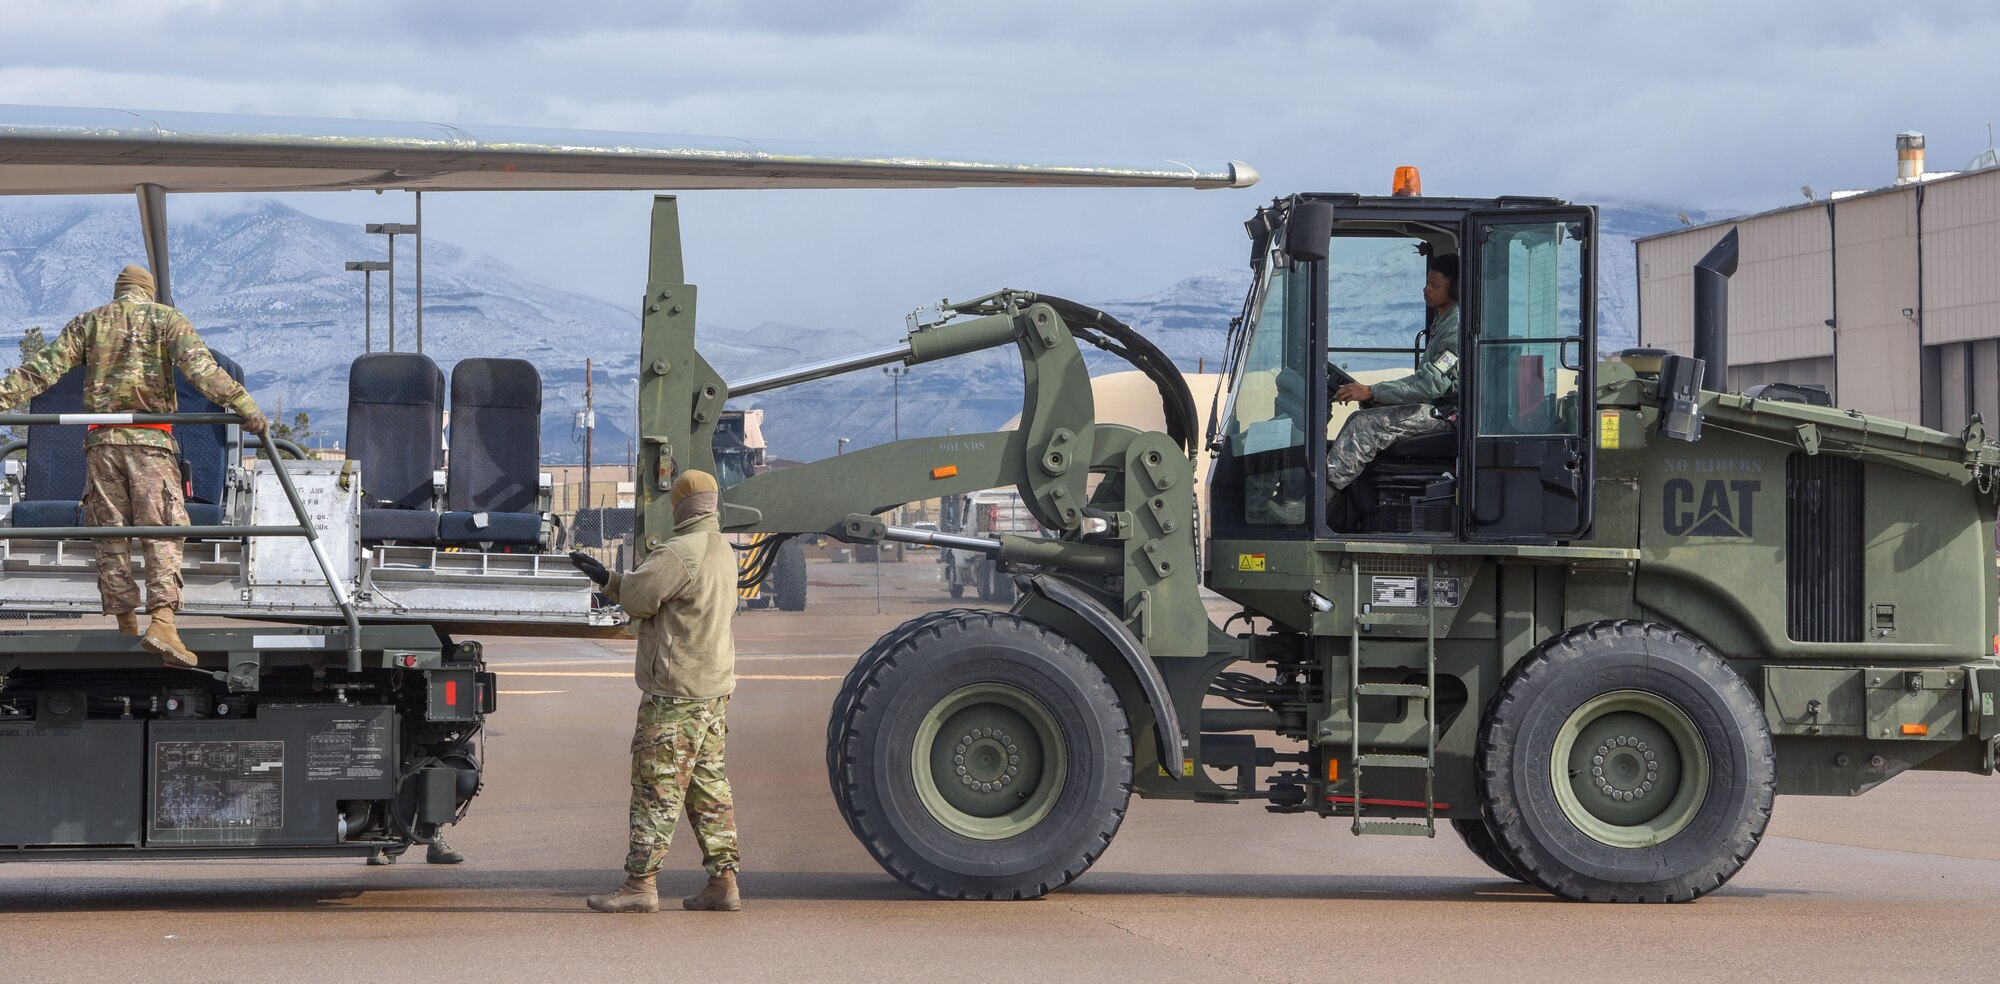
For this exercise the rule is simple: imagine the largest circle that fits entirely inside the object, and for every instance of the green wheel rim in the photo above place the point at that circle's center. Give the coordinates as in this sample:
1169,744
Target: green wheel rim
1629,769
989,761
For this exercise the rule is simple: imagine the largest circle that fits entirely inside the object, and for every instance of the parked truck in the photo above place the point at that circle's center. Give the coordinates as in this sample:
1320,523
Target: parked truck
985,514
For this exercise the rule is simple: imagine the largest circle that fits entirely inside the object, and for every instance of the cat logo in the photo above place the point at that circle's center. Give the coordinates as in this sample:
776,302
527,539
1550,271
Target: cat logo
1722,509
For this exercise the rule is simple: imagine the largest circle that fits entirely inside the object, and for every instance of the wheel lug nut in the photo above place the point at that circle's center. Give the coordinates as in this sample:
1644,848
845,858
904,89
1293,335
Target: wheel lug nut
1013,760
1597,771
961,770
1597,760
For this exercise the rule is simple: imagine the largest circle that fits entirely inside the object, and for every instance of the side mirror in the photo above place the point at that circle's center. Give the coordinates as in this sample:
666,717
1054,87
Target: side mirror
1309,234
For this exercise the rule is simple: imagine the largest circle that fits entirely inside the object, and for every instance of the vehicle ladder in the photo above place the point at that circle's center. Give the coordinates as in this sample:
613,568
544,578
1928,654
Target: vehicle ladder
1361,762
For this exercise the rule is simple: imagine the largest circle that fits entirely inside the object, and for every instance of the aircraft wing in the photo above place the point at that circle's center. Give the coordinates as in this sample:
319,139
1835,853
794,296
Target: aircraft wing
54,150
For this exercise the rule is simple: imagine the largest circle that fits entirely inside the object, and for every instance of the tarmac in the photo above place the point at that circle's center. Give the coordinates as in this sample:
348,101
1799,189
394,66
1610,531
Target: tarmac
1898,885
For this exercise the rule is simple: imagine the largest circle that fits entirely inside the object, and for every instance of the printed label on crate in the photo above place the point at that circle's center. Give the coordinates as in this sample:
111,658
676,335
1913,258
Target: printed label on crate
349,748
218,785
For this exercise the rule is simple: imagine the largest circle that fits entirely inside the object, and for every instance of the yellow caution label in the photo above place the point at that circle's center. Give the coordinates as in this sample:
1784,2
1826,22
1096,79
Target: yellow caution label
1607,430
1187,769
1249,562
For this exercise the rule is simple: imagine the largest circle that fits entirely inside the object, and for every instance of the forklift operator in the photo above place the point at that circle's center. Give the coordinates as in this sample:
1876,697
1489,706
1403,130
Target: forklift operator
1419,403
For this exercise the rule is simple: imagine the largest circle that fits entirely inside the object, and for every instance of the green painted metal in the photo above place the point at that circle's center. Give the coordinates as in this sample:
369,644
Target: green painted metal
1690,535
1629,769
989,761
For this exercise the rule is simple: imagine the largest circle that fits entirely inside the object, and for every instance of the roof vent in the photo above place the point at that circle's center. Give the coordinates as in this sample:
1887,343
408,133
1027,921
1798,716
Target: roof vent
1909,156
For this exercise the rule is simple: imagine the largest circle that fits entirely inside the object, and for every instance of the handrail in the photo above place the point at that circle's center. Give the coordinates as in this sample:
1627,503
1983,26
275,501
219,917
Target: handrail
304,528
254,442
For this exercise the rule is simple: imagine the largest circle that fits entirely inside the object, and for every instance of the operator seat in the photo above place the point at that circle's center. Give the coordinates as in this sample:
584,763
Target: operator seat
1409,487
492,490
395,429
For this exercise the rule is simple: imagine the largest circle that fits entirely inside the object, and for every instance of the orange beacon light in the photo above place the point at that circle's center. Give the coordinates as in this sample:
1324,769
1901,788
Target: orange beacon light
1408,182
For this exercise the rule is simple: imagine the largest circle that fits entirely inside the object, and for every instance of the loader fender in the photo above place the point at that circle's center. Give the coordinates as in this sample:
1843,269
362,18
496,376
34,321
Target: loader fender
1167,729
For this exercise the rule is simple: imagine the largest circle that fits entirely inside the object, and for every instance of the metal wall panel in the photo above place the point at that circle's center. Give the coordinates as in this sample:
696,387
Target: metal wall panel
1962,258
1879,354
1785,290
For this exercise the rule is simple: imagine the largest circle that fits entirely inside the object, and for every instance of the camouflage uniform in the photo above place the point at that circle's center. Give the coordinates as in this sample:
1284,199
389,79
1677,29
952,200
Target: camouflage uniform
676,764
1408,407
681,601
129,349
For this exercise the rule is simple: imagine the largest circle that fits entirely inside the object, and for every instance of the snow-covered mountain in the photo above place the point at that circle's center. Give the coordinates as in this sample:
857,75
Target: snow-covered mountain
266,285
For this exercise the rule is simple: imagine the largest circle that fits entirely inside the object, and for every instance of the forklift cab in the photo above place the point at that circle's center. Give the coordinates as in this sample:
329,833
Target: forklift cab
1337,295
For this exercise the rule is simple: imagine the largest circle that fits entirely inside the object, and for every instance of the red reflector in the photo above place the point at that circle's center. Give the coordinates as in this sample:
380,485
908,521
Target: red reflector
451,693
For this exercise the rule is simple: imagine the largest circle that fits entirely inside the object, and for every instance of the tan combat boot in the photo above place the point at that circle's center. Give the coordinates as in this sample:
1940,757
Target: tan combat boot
719,895
161,638
638,894
128,623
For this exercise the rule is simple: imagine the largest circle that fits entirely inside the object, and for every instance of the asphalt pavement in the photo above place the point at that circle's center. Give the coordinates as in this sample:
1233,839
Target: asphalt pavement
1899,885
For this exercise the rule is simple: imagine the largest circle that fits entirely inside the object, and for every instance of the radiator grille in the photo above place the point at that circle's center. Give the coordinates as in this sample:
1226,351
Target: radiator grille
1823,548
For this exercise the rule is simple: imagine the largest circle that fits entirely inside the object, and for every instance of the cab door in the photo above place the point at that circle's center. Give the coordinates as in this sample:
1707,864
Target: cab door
1528,388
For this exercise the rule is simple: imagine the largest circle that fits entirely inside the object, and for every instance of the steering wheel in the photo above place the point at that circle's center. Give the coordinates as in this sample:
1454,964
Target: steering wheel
1336,377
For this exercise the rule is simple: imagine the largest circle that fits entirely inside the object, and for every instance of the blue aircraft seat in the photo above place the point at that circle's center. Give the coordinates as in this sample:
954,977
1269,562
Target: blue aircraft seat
395,429
496,451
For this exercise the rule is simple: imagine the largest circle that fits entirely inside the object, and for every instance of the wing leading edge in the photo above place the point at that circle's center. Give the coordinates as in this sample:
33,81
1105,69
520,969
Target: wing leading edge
54,150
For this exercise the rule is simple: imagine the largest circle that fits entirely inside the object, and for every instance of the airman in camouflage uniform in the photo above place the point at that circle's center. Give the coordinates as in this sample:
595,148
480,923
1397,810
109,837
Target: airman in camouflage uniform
129,350
1408,405
681,599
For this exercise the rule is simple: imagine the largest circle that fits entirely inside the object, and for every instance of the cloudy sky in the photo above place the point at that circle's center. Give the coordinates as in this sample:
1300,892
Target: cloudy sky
1713,104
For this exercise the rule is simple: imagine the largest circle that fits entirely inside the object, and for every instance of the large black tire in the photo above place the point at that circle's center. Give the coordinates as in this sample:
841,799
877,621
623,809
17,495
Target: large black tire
1003,586
787,583
851,688
1668,776
1058,791
1480,840
982,579
952,584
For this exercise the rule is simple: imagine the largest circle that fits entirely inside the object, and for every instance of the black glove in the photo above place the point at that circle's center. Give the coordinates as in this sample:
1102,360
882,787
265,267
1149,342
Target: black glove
590,567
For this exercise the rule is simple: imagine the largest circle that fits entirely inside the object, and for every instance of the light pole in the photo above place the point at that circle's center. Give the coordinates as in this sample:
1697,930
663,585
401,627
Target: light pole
840,445
392,230
896,373
367,268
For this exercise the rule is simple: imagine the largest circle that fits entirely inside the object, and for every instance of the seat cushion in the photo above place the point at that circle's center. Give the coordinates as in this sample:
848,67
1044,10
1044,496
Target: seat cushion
512,529
48,512
400,525
55,512
1442,444
204,514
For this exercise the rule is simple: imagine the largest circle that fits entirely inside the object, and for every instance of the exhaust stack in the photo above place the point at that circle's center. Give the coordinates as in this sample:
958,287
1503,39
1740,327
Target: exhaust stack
1711,310
1909,156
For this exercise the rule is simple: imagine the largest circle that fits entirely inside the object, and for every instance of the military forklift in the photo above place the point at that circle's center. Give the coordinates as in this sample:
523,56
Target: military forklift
1594,625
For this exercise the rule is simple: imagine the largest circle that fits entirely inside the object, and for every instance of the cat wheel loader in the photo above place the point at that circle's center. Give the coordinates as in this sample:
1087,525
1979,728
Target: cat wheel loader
1594,625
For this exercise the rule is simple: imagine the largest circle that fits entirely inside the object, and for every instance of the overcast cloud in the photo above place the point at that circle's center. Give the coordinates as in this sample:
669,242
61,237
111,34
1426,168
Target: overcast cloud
1692,104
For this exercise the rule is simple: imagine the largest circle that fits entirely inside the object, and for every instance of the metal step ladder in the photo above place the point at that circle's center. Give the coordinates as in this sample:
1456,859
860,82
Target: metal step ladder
1360,762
